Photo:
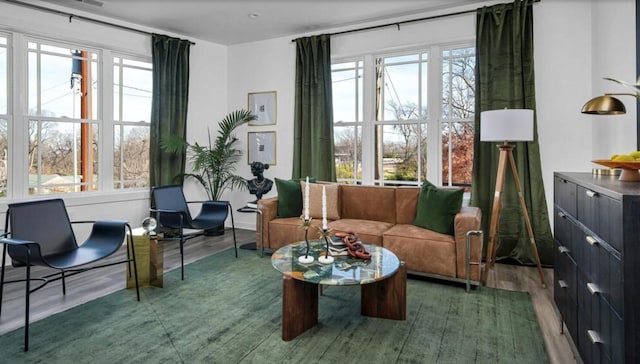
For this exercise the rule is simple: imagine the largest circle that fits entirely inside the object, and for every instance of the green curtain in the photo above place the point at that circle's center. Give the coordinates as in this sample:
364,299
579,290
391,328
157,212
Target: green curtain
313,153
168,107
505,79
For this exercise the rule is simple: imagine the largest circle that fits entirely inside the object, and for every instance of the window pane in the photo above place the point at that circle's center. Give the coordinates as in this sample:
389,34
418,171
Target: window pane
458,83
401,92
131,156
457,154
136,94
133,82
347,94
56,157
401,59
63,85
3,77
348,153
398,159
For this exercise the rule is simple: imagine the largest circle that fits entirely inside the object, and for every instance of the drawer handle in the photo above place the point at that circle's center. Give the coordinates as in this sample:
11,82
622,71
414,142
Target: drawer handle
562,284
593,288
591,193
562,214
563,249
594,337
591,240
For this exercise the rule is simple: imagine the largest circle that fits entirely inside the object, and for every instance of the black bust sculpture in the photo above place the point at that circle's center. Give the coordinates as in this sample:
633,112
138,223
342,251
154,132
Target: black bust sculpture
259,185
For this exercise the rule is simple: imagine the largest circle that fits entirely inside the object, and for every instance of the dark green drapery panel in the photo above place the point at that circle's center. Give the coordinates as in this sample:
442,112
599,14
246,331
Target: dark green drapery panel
313,153
505,79
168,106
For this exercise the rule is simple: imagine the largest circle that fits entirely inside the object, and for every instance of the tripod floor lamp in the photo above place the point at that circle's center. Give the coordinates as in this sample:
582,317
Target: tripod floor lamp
504,126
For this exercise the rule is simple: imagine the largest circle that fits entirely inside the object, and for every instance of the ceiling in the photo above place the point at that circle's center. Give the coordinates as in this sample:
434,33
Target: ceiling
231,21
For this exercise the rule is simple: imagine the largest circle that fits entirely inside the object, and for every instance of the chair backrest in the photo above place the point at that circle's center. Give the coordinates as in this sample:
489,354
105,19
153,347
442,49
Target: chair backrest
45,222
171,198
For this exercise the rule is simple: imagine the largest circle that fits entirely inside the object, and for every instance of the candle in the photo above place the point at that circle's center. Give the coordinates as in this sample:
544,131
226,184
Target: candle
324,208
306,200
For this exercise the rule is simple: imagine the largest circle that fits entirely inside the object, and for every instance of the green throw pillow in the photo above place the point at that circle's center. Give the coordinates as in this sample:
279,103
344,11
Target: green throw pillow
290,197
437,208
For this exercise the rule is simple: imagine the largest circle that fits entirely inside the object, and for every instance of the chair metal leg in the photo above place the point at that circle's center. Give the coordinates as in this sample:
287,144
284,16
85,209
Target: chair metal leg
182,256
233,227
64,283
133,254
27,293
4,255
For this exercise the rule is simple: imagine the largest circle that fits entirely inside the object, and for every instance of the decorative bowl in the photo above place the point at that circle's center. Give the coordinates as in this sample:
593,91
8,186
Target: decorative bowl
629,169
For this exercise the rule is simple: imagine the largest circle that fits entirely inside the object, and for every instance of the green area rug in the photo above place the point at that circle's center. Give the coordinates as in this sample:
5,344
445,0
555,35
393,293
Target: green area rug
228,310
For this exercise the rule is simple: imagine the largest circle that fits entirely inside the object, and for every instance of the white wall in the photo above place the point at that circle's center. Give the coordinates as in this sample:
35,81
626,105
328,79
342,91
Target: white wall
264,66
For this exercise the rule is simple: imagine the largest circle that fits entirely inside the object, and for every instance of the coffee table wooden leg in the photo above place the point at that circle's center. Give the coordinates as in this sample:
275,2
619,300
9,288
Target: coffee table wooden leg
388,298
299,307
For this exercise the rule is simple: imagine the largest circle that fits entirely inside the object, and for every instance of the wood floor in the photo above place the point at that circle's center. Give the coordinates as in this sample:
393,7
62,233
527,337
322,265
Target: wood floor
96,283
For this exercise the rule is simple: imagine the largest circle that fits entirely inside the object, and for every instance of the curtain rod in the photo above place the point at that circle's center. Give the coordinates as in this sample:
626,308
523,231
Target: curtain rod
398,23
74,16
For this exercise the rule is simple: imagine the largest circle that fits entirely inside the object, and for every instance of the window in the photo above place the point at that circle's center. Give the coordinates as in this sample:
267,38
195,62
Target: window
418,123
63,123
4,113
458,103
132,85
347,116
82,124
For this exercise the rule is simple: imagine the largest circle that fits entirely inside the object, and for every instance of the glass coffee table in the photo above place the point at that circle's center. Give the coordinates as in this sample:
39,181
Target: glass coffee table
383,281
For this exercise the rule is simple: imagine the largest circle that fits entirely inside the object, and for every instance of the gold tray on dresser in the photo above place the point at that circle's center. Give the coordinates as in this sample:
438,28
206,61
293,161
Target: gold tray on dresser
629,169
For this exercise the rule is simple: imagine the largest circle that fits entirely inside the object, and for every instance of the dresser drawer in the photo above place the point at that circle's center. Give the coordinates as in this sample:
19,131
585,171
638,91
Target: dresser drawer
566,271
565,288
602,214
600,330
602,269
563,228
565,195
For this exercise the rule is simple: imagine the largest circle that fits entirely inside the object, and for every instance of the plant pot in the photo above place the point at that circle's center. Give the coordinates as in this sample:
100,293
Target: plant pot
216,231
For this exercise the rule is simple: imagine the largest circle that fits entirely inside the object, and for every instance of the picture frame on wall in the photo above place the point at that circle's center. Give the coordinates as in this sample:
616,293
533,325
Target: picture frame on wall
264,105
261,147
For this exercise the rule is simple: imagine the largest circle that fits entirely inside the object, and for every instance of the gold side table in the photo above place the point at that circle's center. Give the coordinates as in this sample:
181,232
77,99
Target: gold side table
149,260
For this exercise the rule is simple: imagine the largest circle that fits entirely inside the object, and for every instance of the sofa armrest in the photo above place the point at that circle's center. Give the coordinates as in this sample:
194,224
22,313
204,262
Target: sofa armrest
269,208
469,218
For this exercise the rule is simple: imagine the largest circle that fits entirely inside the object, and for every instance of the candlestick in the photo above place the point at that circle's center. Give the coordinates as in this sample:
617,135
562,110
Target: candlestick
306,258
306,199
326,258
324,208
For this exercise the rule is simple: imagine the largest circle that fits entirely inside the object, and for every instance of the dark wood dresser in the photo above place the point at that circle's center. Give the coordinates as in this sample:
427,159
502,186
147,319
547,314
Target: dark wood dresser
597,265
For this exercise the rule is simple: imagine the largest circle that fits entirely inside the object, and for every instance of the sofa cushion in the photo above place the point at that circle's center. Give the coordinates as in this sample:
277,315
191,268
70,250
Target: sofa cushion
289,230
422,250
377,203
315,200
289,197
437,208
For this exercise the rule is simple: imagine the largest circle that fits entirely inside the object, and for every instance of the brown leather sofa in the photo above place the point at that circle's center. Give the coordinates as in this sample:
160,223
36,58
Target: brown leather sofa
383,216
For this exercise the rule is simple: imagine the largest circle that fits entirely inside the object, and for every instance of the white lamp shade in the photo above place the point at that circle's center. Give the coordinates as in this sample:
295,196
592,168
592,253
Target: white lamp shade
506,125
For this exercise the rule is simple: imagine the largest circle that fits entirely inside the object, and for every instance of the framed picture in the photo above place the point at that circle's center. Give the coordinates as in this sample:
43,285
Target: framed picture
263,105
261,147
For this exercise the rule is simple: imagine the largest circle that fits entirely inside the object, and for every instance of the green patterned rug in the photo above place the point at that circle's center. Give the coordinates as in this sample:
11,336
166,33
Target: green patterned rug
229,311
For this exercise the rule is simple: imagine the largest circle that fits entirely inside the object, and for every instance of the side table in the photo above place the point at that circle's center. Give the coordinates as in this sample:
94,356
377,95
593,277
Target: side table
149,260
247,209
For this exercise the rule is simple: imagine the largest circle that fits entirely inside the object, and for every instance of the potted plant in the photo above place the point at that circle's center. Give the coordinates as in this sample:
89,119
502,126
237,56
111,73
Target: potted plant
214,165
